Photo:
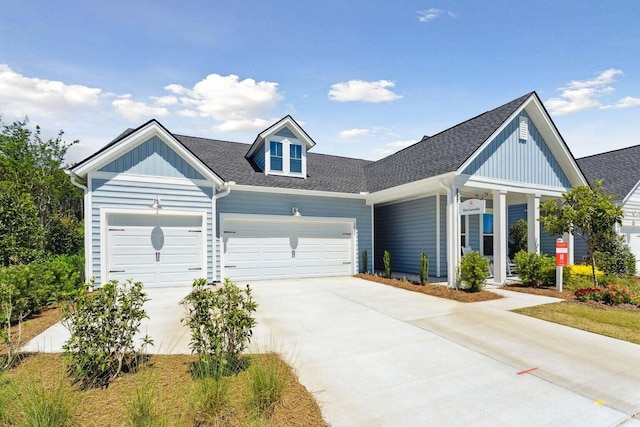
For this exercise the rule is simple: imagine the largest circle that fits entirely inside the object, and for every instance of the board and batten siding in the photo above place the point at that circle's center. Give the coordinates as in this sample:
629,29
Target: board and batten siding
139,195
153,158
473,234
509,158
258,203
258,157
632,208
407,229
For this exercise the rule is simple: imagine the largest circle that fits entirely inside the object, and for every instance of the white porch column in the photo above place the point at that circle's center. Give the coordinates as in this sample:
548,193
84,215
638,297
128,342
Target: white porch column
533,223
499,236
451,271
568,237
455,237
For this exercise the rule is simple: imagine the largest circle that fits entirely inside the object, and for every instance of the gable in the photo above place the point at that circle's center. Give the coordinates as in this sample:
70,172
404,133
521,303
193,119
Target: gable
153,157
509,158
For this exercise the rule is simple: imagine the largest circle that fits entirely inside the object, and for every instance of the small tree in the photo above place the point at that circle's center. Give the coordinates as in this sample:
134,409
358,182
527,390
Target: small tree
474,269
424,269
518,237
583,211
386,259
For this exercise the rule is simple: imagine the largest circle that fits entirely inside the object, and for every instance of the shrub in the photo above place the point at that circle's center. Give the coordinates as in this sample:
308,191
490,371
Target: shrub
535,269
518,236
614,257
102,327
35,403
210,401
386,259
221,325
142,407
365,262
474,269
579,276
266,382
64,235
614,295
12,342
424,269
588,294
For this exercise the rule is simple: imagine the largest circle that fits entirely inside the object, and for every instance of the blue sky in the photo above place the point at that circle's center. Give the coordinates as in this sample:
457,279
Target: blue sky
364,78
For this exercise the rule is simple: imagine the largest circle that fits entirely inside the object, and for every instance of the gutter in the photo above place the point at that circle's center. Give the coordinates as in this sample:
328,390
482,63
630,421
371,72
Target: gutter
227,186
74,180
87,223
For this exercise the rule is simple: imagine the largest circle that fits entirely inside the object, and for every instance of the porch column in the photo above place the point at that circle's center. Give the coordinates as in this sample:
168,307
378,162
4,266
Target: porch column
568,237
499,236
451,271
533,223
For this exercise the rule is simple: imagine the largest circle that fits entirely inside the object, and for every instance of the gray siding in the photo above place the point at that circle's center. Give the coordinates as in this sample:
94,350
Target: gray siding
126,194
153,157
547,243
246,202
406,229
580,250
511,159
258,157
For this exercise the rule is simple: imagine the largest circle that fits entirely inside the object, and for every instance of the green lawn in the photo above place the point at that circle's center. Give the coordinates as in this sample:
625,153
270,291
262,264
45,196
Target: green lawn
624,325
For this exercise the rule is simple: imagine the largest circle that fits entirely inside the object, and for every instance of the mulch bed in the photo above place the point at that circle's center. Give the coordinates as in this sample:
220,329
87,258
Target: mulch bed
544,291
439,291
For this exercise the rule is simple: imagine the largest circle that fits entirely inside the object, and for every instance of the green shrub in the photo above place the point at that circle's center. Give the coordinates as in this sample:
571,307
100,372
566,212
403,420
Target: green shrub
64,235
474,269
424,269
518,237
614,256
266,382
536,269
365,262
386,259
102,326
579,276
221,325
210,401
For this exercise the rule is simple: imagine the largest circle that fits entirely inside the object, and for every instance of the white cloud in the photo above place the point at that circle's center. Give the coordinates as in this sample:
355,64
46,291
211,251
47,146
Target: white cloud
359,90
392,147
433,14
134,110
165,100
579,95
237,104
20,95
626,102
401,144
353,133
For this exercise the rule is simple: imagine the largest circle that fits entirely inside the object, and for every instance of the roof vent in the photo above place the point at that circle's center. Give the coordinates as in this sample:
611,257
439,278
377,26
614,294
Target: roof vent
524,128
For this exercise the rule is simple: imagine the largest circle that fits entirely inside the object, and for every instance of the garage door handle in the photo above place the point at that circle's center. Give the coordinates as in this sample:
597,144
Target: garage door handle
229,266
195,268
347,262
157,256
116,271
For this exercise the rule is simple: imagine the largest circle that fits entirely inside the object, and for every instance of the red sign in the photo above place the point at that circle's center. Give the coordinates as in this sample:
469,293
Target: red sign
562,253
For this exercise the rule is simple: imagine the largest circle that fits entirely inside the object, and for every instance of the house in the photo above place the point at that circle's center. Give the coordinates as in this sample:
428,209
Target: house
164,208
620,172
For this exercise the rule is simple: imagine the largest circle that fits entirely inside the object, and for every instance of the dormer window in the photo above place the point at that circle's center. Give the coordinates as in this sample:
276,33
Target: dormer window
275,151
295,158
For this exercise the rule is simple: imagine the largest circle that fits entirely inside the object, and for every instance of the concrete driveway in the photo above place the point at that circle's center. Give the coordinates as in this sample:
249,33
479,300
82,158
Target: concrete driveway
377,356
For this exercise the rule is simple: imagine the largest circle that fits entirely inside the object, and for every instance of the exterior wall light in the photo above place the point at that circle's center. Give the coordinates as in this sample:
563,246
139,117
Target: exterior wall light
295,211
156,203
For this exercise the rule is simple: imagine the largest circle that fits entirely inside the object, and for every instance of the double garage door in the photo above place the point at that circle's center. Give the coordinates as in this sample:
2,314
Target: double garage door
157,250
633,238
255,249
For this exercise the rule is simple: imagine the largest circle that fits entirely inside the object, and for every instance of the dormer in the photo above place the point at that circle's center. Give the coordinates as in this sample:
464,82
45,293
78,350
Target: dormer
281,149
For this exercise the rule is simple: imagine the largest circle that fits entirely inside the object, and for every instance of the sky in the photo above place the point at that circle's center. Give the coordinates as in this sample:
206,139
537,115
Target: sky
363,78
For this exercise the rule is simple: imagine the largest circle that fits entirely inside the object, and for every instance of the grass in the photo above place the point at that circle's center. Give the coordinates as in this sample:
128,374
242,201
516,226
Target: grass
434,290
265,384
611,322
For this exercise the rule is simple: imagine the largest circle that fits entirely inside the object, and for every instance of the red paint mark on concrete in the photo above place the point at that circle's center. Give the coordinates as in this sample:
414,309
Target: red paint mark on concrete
526,371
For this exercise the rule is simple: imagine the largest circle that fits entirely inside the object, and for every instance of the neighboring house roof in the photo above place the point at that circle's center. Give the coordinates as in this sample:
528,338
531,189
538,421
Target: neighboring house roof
324,172
439,154
619,170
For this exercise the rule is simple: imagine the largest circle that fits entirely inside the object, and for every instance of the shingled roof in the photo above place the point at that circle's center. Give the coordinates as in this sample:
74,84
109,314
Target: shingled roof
439,154
619,170
324,172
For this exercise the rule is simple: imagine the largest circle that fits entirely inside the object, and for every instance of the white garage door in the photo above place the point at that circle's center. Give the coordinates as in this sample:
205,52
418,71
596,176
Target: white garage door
156,250
272,249
633,237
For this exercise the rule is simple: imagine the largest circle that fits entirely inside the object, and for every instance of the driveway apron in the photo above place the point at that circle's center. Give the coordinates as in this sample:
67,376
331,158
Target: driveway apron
375,355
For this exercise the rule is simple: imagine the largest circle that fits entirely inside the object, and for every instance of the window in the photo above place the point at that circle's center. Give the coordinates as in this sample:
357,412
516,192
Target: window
295,158
487,234
275,152
463,231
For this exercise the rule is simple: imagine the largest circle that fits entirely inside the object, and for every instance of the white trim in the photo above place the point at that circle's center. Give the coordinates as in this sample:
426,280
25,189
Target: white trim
287,218
373,240
88,232
275,128
115,176
278,190
437,235
106,211
514,186
138,137
415,189
631,193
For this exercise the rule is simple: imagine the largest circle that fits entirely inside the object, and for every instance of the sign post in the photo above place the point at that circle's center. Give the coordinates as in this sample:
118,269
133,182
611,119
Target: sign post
562,254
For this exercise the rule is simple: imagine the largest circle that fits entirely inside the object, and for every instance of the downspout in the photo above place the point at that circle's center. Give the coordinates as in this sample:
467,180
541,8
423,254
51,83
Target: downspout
214,217
87,223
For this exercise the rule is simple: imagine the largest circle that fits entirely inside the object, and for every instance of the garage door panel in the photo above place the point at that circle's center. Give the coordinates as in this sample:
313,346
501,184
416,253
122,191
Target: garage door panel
174,258
270,249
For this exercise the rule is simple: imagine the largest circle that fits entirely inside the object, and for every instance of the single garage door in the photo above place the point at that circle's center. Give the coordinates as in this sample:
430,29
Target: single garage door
633,237
272,249
157,250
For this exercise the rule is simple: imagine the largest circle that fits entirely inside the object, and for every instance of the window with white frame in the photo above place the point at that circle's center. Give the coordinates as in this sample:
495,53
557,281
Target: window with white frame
275,154
295,158
487,234
285,156
463,231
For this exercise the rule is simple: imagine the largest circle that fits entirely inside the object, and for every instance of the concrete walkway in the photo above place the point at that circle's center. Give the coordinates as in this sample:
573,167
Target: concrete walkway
376,355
